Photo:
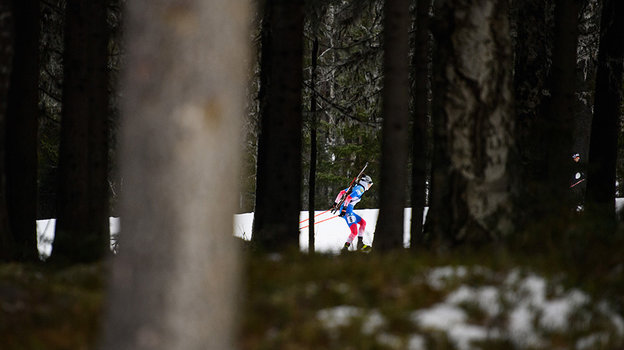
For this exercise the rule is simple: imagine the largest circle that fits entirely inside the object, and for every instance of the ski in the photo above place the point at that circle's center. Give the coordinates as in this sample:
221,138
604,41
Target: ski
349,189
318,222
319,214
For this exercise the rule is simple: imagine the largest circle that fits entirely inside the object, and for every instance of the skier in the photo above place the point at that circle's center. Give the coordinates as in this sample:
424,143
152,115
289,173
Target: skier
353,219
577,183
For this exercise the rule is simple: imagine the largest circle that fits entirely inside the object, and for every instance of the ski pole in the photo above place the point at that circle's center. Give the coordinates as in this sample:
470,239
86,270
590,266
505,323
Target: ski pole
319,214
318,222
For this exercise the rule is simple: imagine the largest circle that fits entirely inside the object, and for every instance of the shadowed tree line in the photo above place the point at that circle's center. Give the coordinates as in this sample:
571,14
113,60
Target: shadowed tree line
471,108
506,114
57,132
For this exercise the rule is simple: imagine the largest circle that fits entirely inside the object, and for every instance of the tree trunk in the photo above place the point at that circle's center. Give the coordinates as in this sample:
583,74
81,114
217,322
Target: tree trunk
21,124
532,48
395,111
278,177
313,150
420,106
82,230
600,196
473,201
559,120
175,279
6,58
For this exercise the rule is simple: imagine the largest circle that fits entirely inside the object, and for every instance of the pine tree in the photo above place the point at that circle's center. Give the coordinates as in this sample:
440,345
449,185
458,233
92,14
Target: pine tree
278,184
471,183
532,52
6,57
419,113
21,122
394,149
560,112
600,203
82,230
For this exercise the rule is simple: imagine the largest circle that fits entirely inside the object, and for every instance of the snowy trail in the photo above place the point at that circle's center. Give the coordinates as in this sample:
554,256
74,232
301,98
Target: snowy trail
330,235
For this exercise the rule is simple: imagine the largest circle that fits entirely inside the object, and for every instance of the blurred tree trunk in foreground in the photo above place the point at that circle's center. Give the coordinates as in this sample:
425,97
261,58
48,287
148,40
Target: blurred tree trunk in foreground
21,131
472,186
278,176
420,110
395,112
82,230
6,57
600,200
175,279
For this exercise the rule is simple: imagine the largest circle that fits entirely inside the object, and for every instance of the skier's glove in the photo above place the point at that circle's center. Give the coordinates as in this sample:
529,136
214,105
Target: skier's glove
343,212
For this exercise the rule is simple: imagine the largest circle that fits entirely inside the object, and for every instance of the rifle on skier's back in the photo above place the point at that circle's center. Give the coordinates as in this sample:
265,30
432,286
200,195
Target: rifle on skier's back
355,180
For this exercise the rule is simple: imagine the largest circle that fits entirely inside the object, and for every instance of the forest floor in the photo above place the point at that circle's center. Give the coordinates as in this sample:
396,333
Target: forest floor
458,300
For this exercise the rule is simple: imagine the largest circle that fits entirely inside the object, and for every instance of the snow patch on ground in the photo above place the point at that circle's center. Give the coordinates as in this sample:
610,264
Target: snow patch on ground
440,316
439,277
521,308
416,342
339,316
452,320
487,298
342,316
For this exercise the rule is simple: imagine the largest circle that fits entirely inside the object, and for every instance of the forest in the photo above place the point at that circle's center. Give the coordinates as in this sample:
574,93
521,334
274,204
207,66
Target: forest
502,117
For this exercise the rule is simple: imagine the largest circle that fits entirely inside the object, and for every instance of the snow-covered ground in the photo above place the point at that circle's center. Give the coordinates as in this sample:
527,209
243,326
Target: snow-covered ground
330,233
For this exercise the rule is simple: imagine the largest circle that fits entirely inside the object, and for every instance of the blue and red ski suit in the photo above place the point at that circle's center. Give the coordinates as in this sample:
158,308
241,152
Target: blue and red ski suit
352,219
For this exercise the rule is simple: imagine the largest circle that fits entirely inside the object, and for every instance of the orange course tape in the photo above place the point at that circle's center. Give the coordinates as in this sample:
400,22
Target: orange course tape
333,217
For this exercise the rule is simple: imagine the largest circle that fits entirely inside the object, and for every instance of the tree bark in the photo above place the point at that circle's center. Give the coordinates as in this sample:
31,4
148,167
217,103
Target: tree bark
559,120
420,106
6,58
82,230
531,67
600,195
175,280
395,111
313,147
278,176
472,190
21,138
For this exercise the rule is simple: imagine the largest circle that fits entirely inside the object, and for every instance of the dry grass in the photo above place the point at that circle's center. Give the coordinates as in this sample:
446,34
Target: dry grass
295,301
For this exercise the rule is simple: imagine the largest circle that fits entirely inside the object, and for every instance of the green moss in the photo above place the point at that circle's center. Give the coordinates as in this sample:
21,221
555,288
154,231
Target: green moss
46,307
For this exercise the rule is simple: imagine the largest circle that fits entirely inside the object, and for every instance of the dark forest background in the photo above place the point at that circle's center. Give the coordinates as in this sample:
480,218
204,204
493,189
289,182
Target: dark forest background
175,115
475,104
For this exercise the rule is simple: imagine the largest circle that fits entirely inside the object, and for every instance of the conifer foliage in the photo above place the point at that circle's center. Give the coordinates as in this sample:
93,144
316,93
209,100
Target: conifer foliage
494,121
